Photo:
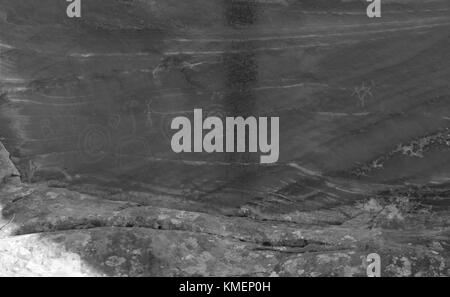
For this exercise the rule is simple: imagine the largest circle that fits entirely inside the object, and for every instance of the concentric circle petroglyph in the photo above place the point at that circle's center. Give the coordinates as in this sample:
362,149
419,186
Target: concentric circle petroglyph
94,143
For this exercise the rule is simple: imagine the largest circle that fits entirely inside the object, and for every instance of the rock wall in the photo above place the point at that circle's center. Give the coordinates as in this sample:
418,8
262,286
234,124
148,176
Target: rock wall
358,98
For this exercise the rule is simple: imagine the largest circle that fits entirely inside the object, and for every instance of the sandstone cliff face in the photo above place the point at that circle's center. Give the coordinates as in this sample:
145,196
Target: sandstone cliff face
358,98
86,105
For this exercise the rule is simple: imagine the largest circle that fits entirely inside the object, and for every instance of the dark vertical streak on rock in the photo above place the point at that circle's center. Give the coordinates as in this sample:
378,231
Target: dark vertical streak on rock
241,67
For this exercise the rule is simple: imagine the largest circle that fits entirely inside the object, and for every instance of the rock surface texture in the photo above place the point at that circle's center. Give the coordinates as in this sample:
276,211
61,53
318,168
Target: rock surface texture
85,110
58,232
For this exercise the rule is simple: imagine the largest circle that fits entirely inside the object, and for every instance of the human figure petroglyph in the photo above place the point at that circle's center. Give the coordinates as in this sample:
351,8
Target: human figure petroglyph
363,91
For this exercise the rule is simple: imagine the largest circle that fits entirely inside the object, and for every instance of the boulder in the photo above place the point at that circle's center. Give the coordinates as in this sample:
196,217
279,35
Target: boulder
58,232
7,168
